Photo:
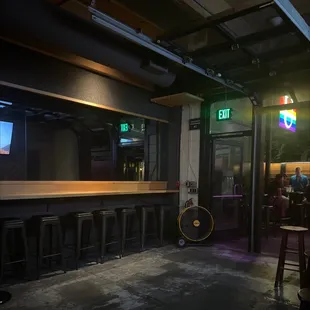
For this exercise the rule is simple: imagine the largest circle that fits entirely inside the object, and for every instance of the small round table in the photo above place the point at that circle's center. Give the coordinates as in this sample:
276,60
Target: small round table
4,297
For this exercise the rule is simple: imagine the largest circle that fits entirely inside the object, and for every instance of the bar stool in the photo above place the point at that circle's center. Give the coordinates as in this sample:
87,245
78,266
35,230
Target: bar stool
9,228
78,220
127,216
304,297
145,213
102,218
163,210
300,231
42,224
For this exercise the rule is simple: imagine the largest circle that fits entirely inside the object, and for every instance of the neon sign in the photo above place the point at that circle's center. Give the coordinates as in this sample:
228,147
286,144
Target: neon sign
287,118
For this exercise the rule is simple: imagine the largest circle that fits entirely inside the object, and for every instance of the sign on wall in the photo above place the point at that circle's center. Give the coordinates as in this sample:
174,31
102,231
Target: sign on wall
194,124
287,118
223,114
125,127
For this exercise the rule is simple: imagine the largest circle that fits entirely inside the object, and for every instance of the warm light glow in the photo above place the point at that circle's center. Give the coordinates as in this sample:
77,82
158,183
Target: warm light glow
287,118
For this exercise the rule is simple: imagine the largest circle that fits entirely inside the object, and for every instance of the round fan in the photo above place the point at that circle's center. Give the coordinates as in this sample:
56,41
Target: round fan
195,224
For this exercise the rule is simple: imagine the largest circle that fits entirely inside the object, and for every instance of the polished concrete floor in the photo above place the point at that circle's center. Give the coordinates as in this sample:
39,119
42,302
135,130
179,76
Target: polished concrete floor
194,278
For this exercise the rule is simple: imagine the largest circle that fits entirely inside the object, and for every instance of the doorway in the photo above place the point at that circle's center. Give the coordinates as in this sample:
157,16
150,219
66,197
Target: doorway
230,181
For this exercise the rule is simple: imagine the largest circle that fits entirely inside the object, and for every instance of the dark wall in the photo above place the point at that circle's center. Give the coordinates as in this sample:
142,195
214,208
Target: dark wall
30,69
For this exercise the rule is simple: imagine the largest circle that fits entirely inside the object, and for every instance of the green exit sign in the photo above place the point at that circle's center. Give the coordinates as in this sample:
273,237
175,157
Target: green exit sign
223,114
125,127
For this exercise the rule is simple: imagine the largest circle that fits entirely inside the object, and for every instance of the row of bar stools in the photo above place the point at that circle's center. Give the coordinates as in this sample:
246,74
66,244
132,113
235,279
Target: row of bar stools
300,231
44,225
11,252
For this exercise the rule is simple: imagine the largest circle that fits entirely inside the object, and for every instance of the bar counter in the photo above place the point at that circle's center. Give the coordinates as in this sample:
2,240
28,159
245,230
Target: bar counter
19,190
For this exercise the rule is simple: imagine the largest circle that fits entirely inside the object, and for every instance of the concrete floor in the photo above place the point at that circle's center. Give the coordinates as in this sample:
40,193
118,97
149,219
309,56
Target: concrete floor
193,278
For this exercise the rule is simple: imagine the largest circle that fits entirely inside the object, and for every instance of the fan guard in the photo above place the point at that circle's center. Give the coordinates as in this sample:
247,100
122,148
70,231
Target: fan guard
195,223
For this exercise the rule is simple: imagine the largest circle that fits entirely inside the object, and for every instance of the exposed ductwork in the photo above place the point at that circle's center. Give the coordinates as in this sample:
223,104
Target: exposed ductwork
51,24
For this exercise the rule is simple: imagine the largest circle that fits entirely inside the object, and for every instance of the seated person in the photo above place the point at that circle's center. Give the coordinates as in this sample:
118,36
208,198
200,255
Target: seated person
276,195
299,182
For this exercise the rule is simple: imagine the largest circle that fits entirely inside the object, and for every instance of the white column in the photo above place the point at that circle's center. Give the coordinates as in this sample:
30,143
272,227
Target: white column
189,153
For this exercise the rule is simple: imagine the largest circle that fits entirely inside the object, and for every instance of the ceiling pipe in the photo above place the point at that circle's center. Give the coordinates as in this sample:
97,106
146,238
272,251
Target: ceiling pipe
48,23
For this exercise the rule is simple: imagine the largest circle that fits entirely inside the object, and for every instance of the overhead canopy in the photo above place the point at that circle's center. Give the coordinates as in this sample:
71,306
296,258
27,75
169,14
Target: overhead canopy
238,41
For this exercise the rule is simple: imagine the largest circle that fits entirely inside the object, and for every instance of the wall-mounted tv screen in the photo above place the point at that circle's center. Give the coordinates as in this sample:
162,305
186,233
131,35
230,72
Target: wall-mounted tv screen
6,131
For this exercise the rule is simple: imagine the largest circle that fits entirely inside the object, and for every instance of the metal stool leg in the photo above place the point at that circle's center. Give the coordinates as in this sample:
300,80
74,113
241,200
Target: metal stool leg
78,243
103,238
281,261
143,227
302,261
161,225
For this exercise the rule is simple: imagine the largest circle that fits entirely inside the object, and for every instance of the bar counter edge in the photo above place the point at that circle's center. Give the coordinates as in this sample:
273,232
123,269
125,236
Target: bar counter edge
18,190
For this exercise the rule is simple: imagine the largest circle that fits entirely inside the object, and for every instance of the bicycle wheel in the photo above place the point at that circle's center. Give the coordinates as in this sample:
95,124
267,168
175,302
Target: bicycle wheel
195,223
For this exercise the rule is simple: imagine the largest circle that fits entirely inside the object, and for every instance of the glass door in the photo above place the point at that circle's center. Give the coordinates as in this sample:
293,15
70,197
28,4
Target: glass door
231,170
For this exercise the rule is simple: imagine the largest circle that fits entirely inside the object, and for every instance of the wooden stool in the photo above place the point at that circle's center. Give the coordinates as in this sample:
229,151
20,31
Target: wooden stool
101,220
304,297
10,248
300,231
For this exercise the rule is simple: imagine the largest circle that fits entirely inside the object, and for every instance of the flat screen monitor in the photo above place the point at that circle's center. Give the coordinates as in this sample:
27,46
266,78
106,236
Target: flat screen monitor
6,131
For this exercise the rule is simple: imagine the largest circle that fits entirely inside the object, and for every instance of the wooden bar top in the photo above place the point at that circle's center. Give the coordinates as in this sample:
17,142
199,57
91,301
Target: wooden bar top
18,190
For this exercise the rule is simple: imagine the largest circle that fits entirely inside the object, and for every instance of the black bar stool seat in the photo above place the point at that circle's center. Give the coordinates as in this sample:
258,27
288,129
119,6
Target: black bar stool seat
301,266
101,219
84,239
10,248
42,223
124,215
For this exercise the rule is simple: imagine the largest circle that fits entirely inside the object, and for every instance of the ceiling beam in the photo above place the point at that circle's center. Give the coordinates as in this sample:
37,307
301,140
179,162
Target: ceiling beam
288,12
214,20
123,14
143,41
243,41
265,58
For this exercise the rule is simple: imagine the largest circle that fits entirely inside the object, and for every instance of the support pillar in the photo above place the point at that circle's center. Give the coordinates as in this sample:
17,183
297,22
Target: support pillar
257,177
205,179
268,141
